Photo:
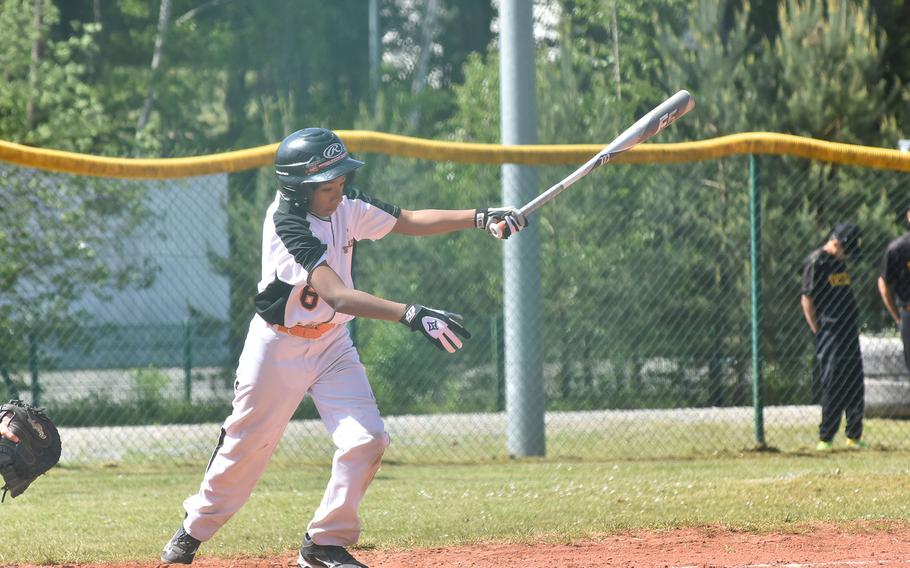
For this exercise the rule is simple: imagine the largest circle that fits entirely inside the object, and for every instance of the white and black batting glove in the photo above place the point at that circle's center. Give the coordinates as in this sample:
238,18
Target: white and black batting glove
483,218
501,222
441,328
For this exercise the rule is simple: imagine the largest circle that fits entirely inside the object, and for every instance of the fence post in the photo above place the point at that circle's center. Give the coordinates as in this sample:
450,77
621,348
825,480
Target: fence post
755,260
188,359
525,397
496,354
33,366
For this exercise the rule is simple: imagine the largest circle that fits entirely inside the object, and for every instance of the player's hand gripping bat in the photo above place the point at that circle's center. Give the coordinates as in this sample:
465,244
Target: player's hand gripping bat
646,127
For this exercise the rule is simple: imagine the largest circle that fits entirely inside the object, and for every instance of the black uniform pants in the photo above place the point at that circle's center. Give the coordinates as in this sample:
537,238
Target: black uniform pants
905,335
840,373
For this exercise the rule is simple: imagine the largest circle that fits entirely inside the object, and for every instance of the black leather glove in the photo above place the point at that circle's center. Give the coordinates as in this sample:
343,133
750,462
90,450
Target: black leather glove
443,329
37,450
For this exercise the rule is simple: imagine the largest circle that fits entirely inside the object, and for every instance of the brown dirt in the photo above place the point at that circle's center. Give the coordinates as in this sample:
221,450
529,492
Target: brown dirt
863,545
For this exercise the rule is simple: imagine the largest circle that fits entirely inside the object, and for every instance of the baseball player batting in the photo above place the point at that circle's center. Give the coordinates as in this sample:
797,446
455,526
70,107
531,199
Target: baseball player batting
298,344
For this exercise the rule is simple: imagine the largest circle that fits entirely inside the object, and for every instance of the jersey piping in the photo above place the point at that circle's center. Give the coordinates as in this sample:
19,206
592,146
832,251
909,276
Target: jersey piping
295,242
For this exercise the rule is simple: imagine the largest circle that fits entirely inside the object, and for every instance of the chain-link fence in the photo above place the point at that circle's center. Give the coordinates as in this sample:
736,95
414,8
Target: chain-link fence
125,305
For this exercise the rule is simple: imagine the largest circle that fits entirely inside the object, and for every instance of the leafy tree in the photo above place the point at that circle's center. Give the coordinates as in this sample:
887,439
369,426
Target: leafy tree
186,117
56,230
238,74
326,87
893,19
65,111
636,241
821,76
834,47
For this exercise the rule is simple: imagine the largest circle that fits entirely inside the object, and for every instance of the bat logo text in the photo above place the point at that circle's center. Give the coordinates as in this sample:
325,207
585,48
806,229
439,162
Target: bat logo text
666,119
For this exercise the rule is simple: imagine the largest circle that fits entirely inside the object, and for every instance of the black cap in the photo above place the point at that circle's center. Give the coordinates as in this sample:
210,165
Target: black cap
850,237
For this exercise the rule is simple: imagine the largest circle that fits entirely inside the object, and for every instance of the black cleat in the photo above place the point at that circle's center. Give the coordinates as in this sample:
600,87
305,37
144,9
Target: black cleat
180,549
314,555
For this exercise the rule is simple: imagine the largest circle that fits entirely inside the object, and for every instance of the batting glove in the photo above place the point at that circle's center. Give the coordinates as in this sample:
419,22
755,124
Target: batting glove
441,328
485,217
506,222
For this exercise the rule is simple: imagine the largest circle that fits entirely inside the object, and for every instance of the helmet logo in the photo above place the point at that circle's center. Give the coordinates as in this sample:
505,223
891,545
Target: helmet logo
334,150
328,162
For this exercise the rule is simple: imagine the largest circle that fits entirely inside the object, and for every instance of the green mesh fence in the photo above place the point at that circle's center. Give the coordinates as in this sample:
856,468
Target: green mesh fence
125,305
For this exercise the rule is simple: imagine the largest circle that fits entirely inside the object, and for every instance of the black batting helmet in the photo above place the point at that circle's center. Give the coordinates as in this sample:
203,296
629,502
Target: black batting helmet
850,237
307,158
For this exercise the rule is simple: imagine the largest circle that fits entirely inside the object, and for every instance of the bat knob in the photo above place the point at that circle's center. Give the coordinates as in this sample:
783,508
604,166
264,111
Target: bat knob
497,229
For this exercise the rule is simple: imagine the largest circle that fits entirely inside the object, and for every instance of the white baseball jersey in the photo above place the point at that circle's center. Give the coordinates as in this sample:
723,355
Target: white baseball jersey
294,244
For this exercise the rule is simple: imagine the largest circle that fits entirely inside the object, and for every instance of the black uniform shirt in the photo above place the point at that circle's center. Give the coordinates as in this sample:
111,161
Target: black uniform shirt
827,282
895,269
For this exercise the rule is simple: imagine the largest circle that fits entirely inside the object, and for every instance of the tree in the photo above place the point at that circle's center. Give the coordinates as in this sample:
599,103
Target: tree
831,77
56,230
164,21
832,85
819,75
893,19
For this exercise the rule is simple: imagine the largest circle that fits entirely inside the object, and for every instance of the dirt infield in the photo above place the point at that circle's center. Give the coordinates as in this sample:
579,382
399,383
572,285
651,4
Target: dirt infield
880,545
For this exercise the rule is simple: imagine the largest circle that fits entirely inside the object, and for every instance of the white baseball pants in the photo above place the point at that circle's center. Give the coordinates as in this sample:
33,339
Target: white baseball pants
275,371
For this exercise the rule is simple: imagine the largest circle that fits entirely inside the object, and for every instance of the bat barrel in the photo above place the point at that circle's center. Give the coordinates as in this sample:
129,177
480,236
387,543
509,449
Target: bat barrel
644,128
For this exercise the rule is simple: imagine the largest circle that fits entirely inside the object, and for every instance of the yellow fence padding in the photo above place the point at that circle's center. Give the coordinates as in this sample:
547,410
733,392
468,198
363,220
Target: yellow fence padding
135,168
419,148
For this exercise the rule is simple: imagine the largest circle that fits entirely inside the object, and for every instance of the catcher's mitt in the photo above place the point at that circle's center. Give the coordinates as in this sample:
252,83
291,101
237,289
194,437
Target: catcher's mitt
38,449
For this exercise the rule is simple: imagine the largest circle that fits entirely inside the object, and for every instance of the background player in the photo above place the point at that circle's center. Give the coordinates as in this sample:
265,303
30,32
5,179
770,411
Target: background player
297,344
830,310
894,285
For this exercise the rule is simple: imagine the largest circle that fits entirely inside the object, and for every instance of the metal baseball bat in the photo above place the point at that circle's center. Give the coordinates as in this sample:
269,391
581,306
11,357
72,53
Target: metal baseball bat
645,127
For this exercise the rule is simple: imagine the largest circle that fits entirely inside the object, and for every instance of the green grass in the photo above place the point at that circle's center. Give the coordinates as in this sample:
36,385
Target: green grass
118,513
633,439
481,438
